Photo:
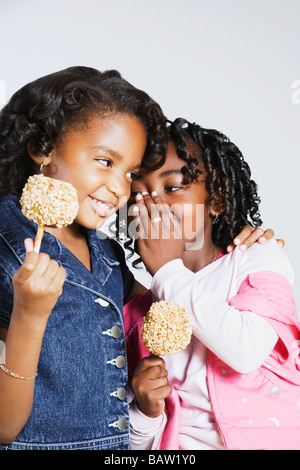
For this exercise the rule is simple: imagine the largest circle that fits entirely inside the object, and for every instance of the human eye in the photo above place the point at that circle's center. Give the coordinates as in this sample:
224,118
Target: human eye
132,175
172,188
105,161
173,183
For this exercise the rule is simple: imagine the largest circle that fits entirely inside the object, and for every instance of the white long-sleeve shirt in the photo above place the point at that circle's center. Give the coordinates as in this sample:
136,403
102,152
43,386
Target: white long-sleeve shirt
242,339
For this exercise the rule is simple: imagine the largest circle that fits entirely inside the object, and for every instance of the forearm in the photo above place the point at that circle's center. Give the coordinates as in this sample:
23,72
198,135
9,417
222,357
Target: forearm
22,350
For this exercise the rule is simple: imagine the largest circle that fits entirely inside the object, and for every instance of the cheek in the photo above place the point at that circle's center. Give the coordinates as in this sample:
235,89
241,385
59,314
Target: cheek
193,219
126,198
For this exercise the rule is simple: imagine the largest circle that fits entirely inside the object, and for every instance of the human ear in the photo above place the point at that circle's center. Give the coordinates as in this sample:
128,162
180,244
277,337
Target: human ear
40,160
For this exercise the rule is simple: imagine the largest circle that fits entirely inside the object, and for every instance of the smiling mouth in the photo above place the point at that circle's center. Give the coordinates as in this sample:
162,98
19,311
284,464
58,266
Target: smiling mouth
102,209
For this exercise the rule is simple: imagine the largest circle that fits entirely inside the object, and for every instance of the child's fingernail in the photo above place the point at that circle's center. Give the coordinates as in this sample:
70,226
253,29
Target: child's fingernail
29,245
135,210
139,196
144,193
154,193
262,239
237,241
243,247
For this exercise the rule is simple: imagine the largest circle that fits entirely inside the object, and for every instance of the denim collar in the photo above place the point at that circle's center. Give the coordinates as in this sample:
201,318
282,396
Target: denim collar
15,227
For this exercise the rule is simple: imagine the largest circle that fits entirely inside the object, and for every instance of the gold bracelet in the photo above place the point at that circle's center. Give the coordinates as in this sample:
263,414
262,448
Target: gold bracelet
12,374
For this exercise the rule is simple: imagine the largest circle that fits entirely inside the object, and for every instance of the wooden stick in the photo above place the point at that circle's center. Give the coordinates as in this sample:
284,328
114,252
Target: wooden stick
38,239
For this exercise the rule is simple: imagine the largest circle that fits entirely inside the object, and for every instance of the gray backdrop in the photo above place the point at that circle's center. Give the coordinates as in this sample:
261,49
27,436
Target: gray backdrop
228,64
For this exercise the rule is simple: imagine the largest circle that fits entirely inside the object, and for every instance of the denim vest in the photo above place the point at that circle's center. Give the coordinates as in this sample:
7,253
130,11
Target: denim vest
80,399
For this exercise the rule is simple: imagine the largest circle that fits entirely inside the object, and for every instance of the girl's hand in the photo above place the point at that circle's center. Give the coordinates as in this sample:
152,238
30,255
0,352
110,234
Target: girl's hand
160,239
37,285
250,235
151,386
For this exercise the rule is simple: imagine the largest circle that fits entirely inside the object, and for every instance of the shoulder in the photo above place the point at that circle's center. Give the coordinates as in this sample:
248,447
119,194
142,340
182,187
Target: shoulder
9,259
127,276
13,224
8,267
13,231
108,249
117,250
9,207
268,257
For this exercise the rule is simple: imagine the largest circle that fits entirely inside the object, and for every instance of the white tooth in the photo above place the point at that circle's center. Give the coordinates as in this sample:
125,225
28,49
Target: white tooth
101,204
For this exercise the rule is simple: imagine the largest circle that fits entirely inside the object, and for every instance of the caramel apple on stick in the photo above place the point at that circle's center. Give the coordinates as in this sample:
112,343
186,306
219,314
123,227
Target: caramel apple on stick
48,202
166,329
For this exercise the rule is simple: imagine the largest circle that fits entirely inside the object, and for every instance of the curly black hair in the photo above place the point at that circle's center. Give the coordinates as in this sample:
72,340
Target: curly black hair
228,176
43,110
228,181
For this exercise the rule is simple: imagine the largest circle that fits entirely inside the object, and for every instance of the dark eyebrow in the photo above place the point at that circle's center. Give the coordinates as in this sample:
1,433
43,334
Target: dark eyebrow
170,172
107,150
140,177
112,153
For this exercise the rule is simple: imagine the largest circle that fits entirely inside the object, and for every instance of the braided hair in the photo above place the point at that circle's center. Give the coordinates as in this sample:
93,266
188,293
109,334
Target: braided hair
228,177
43,110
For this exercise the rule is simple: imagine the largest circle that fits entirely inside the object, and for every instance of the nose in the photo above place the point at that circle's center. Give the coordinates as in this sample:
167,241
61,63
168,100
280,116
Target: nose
117,185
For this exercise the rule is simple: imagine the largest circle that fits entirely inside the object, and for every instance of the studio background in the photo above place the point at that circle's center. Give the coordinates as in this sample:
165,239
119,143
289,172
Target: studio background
232,65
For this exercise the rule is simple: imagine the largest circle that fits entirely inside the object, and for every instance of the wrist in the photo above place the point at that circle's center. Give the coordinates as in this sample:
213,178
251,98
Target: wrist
170,266
165,276
155,268
22,347
151,411
143,424
28,320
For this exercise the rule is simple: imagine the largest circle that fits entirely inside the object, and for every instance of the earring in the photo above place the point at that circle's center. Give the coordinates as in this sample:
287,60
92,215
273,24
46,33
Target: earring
216,219
46,159
41,167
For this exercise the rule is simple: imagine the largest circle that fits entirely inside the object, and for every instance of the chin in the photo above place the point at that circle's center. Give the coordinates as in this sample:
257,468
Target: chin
90,220
91,223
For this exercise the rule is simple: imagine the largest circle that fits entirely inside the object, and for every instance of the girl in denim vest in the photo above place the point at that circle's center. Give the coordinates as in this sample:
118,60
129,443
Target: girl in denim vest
63,377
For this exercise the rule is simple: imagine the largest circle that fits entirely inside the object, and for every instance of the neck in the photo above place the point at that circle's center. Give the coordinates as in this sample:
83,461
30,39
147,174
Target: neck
198,259
73,239
64,234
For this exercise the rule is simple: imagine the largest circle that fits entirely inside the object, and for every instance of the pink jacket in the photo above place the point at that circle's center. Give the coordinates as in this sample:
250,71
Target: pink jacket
134,312
258,410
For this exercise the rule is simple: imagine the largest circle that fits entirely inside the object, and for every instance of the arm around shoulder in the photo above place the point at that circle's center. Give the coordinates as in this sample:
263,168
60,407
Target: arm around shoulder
266,258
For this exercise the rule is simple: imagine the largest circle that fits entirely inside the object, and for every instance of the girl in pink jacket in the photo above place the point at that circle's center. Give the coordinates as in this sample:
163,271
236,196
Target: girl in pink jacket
237,384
